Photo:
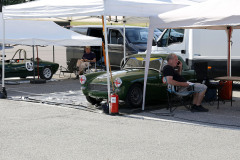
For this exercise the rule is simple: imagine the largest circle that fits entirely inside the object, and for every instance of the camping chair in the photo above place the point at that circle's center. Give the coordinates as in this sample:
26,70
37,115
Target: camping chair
90,69
176,98
71,67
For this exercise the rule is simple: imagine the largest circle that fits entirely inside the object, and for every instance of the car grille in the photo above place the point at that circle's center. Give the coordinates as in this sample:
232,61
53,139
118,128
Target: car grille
98,87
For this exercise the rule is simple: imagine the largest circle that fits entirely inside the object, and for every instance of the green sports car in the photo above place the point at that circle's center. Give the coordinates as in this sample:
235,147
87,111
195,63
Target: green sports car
21,66
128,82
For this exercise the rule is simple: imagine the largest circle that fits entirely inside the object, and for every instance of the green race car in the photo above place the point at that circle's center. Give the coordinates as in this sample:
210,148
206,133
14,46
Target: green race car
128,82
21,66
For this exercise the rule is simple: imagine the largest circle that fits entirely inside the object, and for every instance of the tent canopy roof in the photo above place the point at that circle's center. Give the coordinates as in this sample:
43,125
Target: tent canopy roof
212,14
25,32
70,8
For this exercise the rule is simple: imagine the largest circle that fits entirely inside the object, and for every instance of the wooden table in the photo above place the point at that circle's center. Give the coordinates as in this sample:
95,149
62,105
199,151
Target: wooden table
228,78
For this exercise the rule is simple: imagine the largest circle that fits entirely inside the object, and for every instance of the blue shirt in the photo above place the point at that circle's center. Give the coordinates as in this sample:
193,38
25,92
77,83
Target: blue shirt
89,56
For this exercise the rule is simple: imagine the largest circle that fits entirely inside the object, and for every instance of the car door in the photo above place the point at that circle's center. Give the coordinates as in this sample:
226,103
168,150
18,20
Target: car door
172,41
156,89
115,47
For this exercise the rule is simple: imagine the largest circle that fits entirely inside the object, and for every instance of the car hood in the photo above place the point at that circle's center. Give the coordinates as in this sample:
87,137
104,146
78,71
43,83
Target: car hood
126,74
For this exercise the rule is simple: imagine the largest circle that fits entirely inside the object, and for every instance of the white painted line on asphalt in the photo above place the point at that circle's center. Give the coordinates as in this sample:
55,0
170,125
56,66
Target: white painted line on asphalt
25,92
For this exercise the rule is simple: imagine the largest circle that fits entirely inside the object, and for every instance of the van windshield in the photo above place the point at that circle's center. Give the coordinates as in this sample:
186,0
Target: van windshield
140,35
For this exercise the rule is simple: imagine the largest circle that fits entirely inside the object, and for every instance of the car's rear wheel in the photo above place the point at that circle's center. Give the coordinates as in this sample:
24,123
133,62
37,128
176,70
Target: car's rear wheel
46,73
93,101
135,95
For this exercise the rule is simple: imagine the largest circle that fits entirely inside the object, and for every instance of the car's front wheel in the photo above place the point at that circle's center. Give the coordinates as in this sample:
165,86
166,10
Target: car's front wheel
135,95
93,101
46,73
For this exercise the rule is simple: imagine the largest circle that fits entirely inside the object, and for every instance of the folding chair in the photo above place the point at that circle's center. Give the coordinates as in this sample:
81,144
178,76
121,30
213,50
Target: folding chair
175,98
92,68
71,67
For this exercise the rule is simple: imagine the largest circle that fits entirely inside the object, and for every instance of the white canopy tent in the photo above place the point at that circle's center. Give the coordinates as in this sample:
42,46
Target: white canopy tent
23,32
212,14
70,8
208,15
44,33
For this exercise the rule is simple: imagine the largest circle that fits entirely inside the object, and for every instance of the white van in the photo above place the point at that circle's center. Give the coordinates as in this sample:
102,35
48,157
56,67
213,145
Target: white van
202,45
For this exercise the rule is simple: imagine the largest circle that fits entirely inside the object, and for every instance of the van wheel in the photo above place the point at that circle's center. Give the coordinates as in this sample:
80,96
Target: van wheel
135,95
46,73
93,101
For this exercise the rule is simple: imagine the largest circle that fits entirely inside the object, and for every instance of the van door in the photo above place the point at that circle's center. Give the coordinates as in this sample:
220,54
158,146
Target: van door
115,47
171,41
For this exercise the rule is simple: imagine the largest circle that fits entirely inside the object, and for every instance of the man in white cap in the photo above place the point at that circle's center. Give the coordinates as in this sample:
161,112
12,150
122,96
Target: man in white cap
87,58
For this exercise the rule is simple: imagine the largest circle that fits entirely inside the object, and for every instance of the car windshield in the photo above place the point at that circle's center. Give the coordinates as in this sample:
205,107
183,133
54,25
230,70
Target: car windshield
134,62
140,35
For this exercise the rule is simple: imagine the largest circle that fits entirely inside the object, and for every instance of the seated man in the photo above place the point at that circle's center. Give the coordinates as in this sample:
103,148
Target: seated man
87,58
174,78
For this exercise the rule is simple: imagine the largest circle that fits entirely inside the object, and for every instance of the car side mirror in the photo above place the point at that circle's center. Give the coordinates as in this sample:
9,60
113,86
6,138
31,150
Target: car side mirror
154,43
159,44
120,40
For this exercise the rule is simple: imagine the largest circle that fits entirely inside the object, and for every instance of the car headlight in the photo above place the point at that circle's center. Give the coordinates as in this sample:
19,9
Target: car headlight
82,79
118,82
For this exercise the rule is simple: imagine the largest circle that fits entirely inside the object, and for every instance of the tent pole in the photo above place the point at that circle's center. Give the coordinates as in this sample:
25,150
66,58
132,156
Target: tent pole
107,59
229,63
33,66
124,40
4,92
37,62
147,59
53,54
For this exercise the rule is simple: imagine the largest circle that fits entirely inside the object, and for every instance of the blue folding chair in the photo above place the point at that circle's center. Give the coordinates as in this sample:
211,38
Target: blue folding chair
176,98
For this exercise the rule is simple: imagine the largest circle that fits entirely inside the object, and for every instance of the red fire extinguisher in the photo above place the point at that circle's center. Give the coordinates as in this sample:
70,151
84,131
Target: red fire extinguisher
114,104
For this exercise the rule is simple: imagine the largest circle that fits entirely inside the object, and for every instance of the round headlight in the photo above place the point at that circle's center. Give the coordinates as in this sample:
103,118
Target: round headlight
82,79
118,82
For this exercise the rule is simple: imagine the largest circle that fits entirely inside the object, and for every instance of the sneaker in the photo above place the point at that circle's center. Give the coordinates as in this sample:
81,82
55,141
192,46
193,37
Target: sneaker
194,108
199,108
202,109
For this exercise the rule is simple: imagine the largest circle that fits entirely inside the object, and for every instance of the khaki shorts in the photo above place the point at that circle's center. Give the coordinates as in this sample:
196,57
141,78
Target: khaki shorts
197,87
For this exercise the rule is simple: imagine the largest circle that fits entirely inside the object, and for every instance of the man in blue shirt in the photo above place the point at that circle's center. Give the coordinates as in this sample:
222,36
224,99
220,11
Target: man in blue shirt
87,58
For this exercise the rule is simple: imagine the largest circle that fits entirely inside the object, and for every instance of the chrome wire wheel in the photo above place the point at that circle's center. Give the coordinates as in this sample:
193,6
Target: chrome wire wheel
135,95
46,73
